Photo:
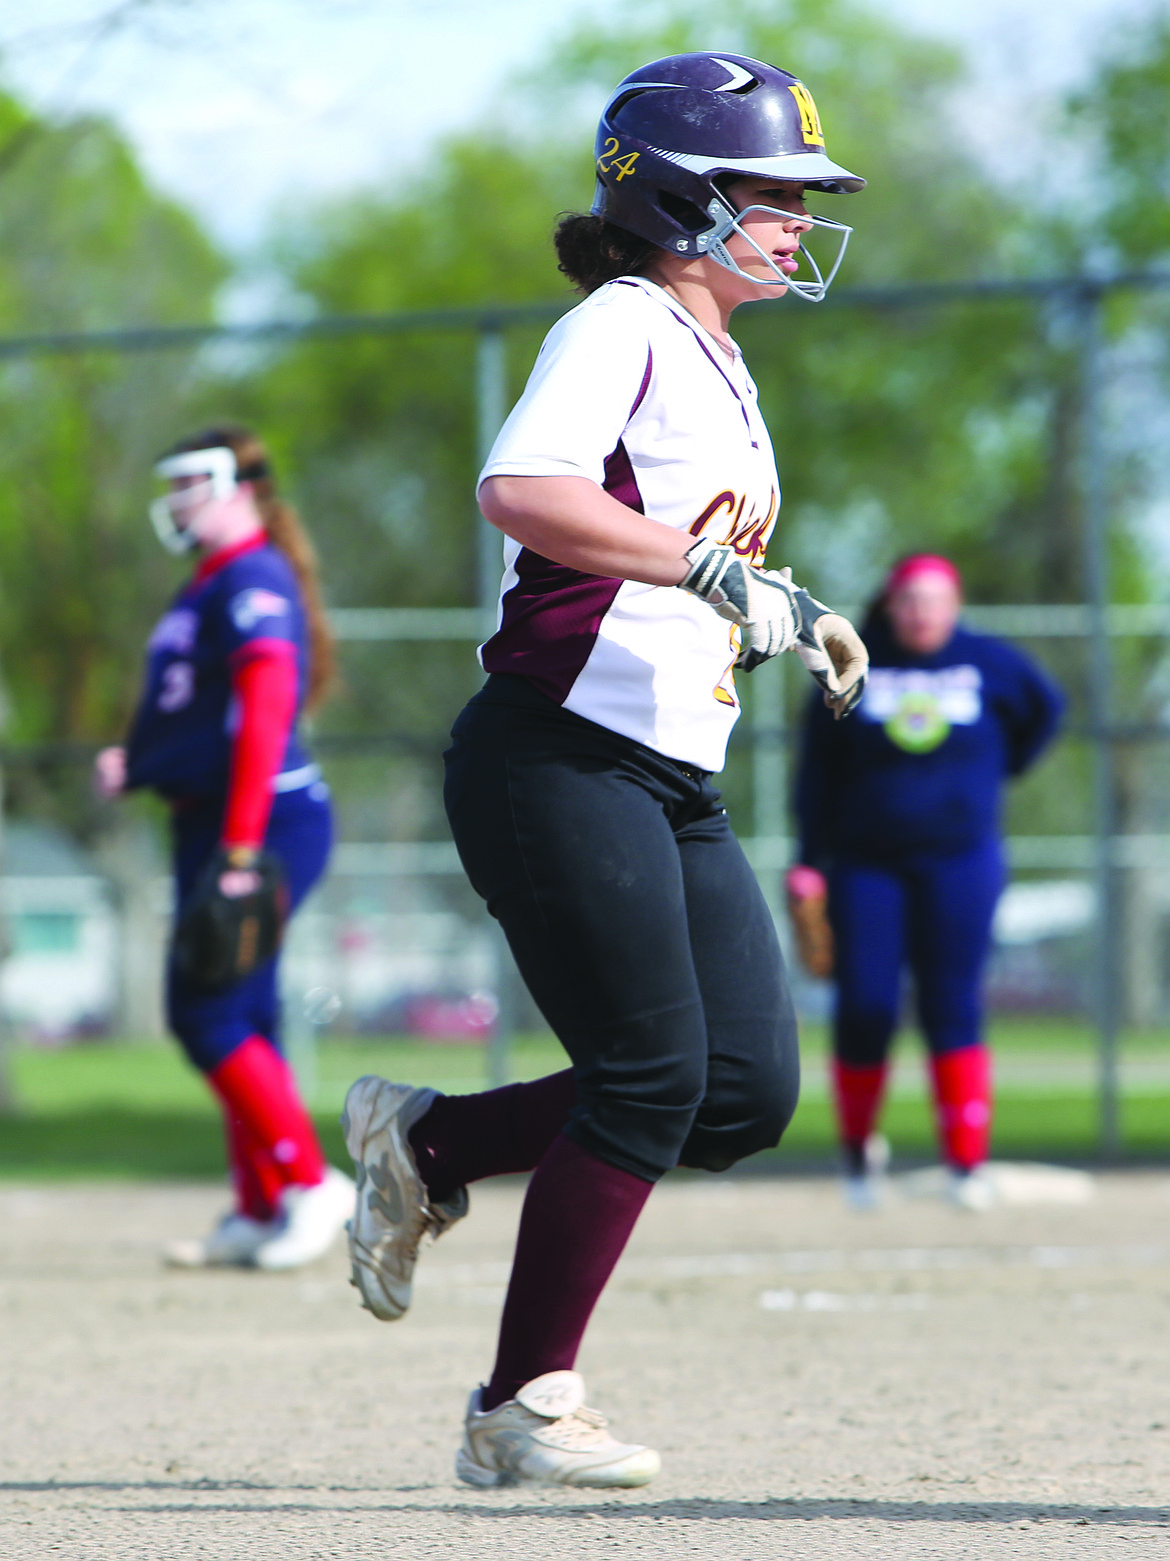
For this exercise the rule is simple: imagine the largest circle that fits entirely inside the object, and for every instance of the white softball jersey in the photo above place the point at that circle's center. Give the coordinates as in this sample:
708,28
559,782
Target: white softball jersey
632,393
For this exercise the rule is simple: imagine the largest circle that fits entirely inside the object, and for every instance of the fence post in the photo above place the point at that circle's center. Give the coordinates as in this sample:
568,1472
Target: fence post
491,389
8,1097
769,770
1096,565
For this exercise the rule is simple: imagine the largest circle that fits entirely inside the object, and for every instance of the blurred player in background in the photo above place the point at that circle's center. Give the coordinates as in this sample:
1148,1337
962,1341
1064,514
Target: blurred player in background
636,487
242,649
899,820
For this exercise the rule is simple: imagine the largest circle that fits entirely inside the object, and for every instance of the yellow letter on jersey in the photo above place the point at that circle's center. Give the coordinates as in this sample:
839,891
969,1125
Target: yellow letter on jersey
810,120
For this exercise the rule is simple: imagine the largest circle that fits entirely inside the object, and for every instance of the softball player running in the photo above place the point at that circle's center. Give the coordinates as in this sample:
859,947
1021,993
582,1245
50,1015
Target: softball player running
899,826
636,488
242,648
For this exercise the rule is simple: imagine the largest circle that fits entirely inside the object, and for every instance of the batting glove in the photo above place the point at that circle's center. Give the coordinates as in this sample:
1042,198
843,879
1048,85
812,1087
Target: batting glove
833,652
762,602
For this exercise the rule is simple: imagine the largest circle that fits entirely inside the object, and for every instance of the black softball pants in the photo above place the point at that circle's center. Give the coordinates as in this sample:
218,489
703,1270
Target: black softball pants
638,926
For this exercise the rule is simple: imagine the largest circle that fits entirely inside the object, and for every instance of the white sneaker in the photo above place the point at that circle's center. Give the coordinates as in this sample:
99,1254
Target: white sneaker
865,1186
973,1190
311,1220
393,1211
877,1154
232,1244
546,1436
862,1193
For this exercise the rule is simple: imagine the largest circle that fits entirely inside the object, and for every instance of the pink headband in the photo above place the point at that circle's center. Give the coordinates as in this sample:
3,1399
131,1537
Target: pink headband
919,564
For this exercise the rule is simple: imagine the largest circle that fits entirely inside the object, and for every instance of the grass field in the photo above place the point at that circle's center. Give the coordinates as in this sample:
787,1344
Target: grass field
126,1110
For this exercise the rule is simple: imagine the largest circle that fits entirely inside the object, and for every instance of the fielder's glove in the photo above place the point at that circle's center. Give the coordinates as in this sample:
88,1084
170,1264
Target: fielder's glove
234,919
762,602
833,652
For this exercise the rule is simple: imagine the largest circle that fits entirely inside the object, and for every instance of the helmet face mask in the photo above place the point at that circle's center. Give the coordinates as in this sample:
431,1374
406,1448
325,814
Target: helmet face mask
212,476
674,131
728,221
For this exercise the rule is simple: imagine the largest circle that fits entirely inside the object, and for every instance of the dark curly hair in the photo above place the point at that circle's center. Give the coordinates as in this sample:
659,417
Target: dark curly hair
592,251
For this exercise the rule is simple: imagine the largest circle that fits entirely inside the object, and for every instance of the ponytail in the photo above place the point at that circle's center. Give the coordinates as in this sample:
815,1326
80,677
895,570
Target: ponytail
287,534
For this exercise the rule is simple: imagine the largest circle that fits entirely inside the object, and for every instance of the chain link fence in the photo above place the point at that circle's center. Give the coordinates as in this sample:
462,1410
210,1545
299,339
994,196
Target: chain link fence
395,942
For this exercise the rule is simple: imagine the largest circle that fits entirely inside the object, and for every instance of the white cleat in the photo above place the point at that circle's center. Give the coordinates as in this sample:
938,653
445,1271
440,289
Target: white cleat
862,1193
546,1436
877,1154
311,1220
973,1190
393,1211
865,1186
232,1244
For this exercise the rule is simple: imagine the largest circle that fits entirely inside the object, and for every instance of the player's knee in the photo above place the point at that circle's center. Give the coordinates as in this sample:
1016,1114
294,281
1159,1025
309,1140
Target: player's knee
745,1121
773,1104
206,1044
681,1084
943,1039
862,1035
669,1092
642,1120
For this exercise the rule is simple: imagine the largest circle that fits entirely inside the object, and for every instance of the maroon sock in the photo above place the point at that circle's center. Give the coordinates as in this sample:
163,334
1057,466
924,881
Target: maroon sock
577,1218
464,1138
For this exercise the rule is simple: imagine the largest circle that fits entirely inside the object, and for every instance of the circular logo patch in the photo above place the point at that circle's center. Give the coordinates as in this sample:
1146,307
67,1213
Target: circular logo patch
918,724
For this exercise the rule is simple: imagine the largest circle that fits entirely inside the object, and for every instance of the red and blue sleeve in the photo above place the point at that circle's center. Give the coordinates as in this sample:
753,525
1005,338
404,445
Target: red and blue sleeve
261,629
264,682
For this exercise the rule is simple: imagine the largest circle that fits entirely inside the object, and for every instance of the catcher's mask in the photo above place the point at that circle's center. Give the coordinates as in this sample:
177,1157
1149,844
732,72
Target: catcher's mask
189,481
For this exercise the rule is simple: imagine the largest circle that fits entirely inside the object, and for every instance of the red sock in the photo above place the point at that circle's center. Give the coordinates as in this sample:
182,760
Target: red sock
464,1138
962,1094
858,1092
577,1218
257,1088
256,1177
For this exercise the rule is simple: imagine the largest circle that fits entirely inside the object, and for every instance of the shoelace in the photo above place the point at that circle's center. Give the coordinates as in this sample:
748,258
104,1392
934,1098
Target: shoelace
581,1425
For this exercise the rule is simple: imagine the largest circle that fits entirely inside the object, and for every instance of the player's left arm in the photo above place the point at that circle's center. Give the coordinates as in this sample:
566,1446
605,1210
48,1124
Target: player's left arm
821,756
260,626
1033,705
264,684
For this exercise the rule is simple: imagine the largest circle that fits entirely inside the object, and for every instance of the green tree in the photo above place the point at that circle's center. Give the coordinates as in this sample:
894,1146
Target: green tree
84,243
1123,114
941,426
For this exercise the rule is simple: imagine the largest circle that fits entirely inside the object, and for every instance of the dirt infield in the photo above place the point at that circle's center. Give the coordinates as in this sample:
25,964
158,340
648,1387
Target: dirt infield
914,1383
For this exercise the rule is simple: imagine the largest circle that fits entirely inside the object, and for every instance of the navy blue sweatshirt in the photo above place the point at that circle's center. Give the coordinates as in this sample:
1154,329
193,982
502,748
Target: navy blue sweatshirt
920,765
